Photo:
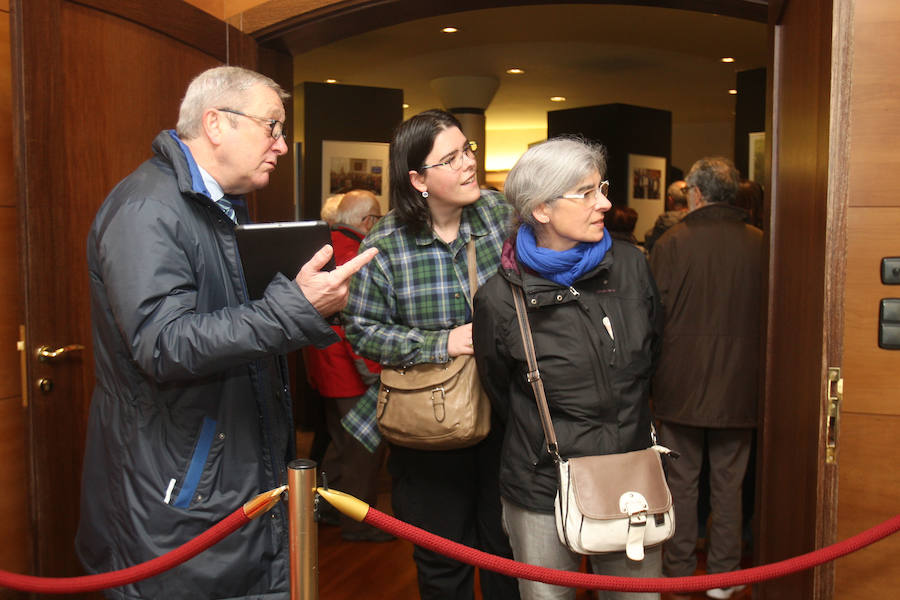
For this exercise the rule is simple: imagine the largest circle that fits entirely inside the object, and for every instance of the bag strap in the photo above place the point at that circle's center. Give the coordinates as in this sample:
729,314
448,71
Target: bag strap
534,375
472,266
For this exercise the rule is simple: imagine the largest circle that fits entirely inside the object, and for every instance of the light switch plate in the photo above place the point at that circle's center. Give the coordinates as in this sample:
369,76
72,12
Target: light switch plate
890,270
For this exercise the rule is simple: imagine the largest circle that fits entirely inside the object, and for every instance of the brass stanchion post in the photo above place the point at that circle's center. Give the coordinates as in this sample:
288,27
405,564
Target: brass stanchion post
303,531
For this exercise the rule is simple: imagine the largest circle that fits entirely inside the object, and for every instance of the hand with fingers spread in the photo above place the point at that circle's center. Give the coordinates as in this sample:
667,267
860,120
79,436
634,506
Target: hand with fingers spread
459,341
327,290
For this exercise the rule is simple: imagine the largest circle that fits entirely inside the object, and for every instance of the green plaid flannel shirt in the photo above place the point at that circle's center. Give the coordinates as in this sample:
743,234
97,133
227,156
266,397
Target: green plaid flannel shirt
403,304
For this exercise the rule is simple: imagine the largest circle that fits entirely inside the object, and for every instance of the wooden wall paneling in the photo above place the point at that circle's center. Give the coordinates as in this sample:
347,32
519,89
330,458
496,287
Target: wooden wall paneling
869,482
798,122
176,19
875,103
15,531
7,177
10,305
869,371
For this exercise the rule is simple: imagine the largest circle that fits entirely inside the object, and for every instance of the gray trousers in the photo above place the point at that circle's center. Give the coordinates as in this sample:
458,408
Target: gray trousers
534,541
728,450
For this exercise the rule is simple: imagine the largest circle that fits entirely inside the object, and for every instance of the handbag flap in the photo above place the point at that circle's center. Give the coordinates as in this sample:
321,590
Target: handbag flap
424,375
599,481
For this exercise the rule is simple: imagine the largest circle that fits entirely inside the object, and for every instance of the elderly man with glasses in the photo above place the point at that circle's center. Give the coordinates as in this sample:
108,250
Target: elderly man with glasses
191,412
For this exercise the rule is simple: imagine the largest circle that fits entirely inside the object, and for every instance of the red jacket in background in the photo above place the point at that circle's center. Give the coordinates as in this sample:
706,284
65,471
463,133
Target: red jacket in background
332,371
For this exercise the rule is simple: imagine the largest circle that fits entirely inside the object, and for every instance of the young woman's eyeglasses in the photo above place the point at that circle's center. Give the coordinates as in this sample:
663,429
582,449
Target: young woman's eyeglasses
455,162
589,197
276,128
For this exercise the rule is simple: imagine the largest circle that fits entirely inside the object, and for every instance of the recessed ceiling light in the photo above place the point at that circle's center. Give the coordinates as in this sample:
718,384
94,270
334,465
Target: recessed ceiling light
405,105
733,92
557,98
331,80
516,71
727,59
449,29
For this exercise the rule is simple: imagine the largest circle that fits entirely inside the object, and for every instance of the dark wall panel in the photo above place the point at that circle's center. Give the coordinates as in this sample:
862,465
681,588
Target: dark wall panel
749,113
342,113
624,129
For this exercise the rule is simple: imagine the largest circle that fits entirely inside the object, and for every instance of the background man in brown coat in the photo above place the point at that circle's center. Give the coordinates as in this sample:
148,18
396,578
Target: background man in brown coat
708,270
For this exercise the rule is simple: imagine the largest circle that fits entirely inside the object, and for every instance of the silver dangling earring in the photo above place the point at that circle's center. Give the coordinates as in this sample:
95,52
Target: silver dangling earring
425,194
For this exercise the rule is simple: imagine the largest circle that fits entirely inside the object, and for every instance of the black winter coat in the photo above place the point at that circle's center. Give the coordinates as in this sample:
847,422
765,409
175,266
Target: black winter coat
597,387
191,413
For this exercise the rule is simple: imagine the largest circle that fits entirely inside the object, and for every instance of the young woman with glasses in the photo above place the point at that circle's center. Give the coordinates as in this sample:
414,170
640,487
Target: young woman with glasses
411,306
596,321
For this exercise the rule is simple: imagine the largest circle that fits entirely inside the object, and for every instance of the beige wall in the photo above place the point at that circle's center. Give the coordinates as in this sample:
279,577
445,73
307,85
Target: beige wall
14,527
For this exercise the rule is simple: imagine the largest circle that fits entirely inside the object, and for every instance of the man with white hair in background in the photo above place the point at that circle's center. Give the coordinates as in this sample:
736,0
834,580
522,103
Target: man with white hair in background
341,377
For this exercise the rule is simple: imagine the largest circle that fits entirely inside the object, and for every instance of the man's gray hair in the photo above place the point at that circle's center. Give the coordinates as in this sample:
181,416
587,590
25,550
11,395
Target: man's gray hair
219,87
716,178
355,206
548,170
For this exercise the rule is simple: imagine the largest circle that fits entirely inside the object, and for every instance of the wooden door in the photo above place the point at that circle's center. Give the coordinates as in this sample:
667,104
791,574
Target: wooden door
806,240
95,81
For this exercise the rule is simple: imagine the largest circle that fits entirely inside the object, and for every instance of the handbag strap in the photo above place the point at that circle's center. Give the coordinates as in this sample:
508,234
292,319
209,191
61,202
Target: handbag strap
534,375
473,268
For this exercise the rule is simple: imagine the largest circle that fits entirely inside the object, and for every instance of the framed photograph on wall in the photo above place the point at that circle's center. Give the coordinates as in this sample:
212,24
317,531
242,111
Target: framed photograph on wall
355,165
756,156
646,190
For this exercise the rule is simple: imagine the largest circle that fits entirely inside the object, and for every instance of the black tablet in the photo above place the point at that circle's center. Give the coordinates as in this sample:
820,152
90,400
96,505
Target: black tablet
269,248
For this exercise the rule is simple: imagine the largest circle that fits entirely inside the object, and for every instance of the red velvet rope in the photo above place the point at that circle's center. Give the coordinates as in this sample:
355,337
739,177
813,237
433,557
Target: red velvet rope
92,583
694,583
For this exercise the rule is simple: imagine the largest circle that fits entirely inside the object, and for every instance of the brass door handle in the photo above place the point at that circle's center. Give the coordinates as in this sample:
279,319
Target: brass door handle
46,354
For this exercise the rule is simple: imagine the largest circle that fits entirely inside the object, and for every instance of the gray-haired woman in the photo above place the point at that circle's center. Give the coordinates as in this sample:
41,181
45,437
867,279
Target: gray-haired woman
596,322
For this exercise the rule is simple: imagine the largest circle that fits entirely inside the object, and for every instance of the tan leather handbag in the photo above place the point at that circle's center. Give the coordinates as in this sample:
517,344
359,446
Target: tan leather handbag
435,406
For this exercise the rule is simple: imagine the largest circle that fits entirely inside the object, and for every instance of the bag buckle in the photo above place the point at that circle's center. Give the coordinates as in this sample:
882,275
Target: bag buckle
438,404
635,506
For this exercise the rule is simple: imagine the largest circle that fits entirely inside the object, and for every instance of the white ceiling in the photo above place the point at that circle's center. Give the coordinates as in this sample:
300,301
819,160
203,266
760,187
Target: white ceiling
591,54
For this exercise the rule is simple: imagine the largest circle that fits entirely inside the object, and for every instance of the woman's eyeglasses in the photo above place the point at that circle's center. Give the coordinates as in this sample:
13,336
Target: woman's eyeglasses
455,162
589,197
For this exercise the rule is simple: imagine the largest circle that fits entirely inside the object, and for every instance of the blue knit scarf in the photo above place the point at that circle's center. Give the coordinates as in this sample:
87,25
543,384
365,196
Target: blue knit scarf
563,267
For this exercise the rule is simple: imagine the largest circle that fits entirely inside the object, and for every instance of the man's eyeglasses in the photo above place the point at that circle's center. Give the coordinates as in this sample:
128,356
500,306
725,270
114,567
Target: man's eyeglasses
376,217
276,128
455,162
589,197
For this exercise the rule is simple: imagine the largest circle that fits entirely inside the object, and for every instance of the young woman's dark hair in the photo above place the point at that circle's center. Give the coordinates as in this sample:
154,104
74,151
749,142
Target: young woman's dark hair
412,142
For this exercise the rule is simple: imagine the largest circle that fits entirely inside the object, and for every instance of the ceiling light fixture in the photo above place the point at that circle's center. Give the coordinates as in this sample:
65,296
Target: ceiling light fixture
557,98
331,80
727,59
733,92
405,105
515,71
449,29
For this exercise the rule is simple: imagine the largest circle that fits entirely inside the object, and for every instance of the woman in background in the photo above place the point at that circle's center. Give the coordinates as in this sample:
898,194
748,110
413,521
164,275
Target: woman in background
596,322
412,307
